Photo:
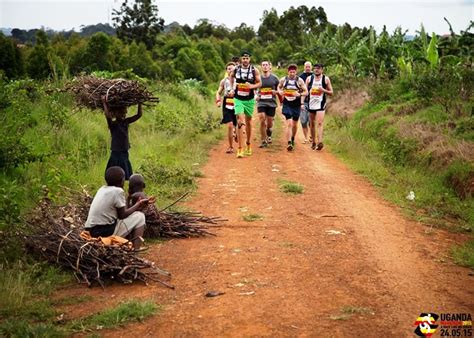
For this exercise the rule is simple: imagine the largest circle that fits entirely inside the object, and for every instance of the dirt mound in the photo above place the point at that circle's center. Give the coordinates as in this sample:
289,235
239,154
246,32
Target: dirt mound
347,102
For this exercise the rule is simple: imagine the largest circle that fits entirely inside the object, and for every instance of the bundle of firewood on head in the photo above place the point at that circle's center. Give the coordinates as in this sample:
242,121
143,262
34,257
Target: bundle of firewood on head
90,92
56,237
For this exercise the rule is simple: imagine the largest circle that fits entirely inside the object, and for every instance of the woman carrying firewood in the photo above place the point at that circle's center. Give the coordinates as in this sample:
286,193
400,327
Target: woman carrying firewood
119,131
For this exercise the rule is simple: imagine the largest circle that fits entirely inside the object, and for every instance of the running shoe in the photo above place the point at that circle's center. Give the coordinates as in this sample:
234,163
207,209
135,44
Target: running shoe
290,146
320,146
269,139
248,150
263,145
313,146
240,153
229,150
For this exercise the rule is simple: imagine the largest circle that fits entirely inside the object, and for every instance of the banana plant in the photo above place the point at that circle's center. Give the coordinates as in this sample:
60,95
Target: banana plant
432,52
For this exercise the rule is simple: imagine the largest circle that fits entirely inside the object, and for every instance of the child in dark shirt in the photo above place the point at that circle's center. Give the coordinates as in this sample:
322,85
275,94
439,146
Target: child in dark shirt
119,131
136,183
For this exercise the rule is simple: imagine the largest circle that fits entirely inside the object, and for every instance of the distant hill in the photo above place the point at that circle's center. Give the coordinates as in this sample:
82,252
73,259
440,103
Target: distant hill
24,36
6,31
172,26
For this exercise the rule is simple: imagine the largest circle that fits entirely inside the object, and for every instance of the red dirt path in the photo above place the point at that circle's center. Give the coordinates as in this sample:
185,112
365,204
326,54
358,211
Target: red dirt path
287,274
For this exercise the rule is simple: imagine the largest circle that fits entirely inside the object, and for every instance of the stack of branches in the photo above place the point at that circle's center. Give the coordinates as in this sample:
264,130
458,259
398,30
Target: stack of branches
56,237
89,92
160,223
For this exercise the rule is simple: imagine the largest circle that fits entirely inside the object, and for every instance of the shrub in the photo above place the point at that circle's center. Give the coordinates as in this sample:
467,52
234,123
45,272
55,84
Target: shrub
395,149
460,177
380,91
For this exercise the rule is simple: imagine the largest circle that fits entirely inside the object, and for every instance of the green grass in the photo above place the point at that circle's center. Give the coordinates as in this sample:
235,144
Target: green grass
24,290
289,187
26,309
25,328
252,217
124,313
464,254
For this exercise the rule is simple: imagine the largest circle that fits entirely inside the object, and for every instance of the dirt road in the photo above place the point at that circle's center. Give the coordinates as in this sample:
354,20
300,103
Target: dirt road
335,261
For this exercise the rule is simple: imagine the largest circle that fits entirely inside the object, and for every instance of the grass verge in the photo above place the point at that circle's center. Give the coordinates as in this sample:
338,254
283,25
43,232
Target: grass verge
130,311
464,254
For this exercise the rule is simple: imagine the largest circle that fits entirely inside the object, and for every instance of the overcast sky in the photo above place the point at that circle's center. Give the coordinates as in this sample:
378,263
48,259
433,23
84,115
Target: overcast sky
409,14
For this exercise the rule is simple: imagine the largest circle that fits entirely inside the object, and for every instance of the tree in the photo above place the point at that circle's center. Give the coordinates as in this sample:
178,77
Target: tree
242,32
97,52
203,28
269,28
139,23
11,62
38,60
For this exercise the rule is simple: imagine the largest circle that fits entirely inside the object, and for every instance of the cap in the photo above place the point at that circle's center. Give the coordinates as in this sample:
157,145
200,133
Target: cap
245,53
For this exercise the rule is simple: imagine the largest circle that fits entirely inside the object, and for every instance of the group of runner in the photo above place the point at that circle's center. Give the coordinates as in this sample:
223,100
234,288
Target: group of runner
301,96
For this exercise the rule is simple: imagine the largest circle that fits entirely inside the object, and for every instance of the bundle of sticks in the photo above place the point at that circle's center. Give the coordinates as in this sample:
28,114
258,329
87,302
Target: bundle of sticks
89,92
177,224
56,238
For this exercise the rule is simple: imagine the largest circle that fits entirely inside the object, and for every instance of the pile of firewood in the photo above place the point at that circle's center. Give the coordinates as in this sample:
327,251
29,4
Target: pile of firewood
55,237
177,224
89,92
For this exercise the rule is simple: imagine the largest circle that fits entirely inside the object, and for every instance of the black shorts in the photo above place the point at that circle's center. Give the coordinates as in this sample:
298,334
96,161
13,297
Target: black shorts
228,115
291,112
120,159
269,111
105,230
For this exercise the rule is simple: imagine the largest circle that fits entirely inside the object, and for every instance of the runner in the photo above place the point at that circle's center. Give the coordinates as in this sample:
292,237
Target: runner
228,113
247,78
267,103
319,87
304,117
293,90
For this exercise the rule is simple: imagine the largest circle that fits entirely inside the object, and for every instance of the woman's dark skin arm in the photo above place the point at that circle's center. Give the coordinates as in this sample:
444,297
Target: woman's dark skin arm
137,116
